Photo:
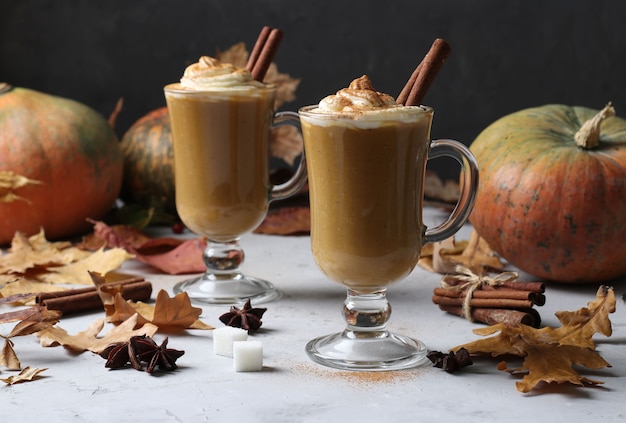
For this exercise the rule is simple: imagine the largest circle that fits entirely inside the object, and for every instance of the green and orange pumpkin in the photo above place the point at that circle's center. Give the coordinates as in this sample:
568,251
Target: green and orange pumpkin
60,163
149,162
552,192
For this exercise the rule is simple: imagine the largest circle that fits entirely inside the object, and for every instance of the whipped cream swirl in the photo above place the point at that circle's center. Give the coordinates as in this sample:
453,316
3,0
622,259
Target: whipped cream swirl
360,96
209,73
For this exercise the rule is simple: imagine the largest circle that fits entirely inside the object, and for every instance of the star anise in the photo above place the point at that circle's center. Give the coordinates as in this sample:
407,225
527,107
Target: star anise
148,351
117,355
138,350
450,362
248,317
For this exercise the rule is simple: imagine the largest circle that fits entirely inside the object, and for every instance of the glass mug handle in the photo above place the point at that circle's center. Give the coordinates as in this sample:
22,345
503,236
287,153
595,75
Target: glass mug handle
468,184
299,178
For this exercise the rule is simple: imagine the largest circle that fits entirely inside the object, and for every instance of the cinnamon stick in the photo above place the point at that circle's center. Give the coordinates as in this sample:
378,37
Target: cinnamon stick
404,94
492,316
505,293
87,299
484,302
266,55
258,46
425,73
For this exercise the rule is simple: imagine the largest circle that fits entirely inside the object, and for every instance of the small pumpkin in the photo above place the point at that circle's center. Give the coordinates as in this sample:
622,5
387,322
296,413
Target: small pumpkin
60,163
149,162
552,192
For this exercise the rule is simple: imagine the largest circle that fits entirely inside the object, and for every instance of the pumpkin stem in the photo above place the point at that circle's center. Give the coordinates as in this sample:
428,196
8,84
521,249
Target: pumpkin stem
588,136
5,87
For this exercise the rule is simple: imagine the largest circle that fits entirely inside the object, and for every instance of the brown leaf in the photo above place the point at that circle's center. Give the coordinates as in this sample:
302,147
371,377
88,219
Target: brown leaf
286,221
286,144
475,254
169,255
40,319
27,374
549,353
8,358
166,313
88,340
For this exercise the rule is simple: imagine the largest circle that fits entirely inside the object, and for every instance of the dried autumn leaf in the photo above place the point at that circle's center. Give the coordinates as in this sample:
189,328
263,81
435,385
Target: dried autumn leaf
27,289
549,353
286,143
26,375
10,181
170,255
40,319
436,189
286,221
34,251
554,364
77,273
167,313
286,86
88,340
8,357
475,254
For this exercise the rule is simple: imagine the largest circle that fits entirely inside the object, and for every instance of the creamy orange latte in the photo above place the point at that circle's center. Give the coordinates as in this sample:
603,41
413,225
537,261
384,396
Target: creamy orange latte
366,158
221,122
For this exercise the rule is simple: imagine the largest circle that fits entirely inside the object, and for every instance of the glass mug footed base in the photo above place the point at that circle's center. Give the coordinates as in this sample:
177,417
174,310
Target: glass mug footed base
223,282
366,344
233,289
367,351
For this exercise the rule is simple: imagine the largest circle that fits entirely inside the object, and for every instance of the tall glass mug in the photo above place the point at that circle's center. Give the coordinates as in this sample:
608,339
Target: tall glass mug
221,156
366,185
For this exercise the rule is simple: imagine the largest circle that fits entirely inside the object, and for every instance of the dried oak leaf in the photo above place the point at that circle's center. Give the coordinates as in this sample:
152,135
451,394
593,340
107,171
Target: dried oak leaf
286,221
166,313
77,273
169,255
27,374
435,188
475,254
10,181
549,353
88,339
34,320
35,251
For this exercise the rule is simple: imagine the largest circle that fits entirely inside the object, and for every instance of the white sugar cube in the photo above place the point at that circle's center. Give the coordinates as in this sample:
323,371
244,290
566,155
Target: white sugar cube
223,339
248,356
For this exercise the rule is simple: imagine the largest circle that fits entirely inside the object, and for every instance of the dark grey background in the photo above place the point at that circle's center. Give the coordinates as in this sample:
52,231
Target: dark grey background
506,55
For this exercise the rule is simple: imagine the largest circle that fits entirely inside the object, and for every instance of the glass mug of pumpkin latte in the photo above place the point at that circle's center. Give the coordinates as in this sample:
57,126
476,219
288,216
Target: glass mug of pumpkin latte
366,159
221,121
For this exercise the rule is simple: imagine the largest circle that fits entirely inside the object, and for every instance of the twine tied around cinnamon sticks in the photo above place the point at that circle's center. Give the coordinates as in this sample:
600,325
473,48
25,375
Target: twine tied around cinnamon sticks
470,282
491,300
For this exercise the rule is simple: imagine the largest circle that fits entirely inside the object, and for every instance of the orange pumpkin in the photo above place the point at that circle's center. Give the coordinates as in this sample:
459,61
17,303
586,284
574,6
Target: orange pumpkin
552,192
149,162
60,163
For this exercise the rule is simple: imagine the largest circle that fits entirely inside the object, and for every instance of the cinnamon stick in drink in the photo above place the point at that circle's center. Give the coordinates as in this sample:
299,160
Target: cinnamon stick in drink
266,55
423,76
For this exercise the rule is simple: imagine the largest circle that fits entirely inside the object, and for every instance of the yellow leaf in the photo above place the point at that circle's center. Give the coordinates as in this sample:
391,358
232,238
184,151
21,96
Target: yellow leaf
77,273
26,375
88,340
550,353
10,181
8,358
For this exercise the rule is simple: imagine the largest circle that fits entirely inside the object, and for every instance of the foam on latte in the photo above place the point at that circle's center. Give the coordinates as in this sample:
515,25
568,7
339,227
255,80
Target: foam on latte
210,74
361,103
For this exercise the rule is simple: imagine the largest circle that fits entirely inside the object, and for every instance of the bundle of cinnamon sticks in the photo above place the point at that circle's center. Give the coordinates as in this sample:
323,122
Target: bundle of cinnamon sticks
81,300
510,302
